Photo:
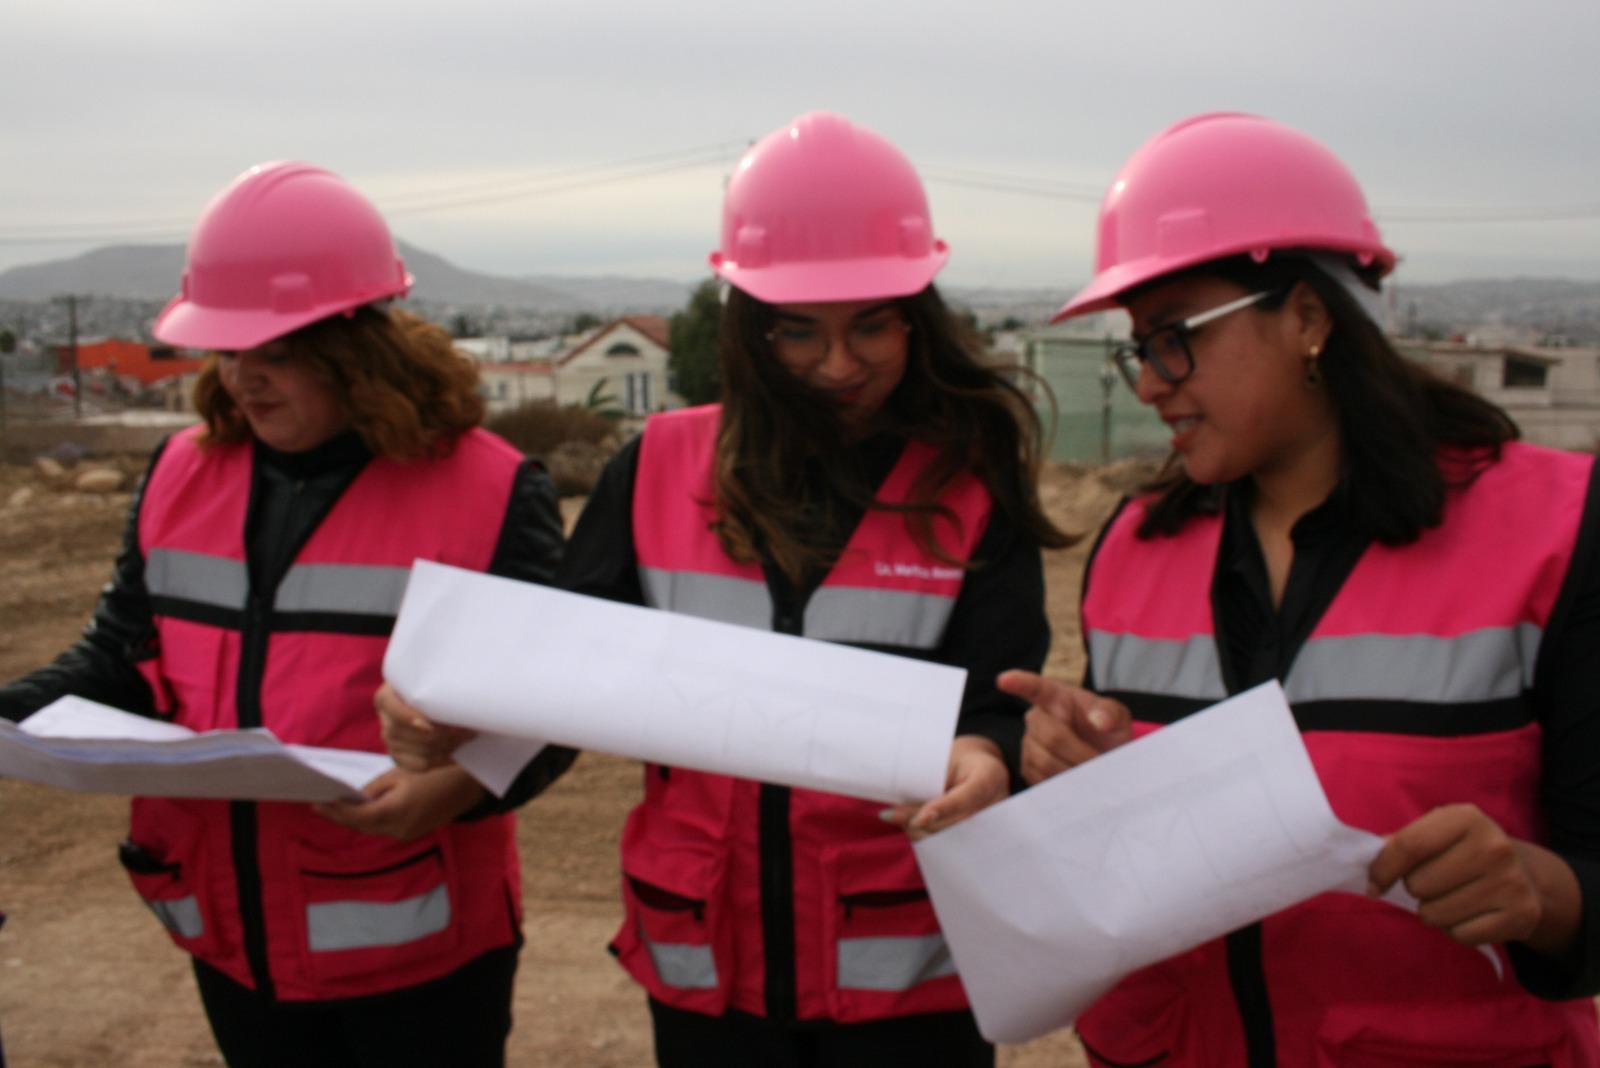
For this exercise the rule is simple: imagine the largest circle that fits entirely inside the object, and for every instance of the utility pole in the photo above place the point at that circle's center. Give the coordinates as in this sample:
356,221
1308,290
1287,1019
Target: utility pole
8,345
1108,382
72,344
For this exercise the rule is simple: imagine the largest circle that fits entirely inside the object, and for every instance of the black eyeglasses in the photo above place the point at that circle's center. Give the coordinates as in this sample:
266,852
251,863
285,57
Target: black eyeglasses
1166,348
873,337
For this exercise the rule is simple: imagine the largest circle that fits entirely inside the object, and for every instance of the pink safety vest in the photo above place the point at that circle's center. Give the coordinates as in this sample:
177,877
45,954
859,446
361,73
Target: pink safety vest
1441,635
866,943
271,894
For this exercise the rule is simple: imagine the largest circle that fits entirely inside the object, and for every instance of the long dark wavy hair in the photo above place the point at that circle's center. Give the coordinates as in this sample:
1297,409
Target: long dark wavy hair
1406,435
400,382
784,467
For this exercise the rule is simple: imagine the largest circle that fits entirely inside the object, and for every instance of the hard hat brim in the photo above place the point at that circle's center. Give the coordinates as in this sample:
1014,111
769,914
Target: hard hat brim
1105,291
824,281
193,326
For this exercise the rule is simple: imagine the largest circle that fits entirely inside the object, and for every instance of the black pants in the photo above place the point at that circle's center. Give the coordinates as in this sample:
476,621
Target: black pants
739,1040
460,1020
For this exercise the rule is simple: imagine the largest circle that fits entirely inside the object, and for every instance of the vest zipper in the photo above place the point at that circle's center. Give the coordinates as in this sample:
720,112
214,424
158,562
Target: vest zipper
1247,974
254,637
242,814
1249,981
777,902
776,846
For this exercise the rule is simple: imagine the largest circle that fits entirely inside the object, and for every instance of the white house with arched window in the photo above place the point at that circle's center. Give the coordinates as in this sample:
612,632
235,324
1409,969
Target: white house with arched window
624,360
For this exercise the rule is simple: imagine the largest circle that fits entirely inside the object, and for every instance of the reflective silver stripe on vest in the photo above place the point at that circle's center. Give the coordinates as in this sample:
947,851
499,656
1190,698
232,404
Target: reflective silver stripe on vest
217,580
360,924
835,614
1481,665
1180,667
354,588
881,617
892,963
180,915
719,597
683,965
200,577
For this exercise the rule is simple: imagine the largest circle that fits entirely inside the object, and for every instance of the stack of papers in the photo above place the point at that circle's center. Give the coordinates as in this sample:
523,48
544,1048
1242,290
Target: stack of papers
526,664
81,745
1050,897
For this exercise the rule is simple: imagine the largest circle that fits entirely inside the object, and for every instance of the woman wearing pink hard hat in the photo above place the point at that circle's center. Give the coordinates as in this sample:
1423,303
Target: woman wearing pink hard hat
865,479
1421,583
259,577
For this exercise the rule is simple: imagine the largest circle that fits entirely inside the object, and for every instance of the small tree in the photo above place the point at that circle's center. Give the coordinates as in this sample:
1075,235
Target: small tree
693,360
602,403
8,342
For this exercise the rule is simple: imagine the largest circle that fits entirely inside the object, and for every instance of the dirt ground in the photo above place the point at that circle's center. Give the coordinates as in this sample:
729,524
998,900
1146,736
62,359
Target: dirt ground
88,979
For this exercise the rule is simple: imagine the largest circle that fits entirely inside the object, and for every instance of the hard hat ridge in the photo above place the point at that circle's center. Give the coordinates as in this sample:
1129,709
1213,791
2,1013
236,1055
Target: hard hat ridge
1224,184
825,210
284,245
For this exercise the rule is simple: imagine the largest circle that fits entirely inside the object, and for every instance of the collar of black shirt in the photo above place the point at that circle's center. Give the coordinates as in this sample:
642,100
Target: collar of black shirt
340,452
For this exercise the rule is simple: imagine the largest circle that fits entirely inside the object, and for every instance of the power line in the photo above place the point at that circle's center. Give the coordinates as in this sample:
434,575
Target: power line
50,229
413,202
95,237
1413,214
719,150
1006,183
423,201
1520,213
546,187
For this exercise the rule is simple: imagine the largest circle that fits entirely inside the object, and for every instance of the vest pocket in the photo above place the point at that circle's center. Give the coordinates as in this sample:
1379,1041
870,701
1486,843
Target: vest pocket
1146,1017
165,858
883,951
675,937
374,919
166,893
193,676
1506,1033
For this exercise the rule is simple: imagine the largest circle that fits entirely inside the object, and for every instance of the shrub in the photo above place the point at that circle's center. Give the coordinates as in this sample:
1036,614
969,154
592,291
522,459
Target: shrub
573,442
537,428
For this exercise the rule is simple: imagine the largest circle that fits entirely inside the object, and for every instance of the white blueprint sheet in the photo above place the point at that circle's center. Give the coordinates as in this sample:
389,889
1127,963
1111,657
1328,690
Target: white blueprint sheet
1051,896
81,745
529,662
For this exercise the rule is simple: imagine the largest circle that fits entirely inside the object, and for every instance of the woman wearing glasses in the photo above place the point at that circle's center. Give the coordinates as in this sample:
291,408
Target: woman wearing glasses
1338,519
865,479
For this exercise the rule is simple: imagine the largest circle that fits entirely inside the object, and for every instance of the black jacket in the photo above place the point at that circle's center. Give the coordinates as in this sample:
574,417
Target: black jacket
289,496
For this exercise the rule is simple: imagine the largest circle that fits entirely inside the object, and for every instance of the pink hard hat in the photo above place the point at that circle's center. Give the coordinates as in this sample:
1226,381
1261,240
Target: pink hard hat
285,244
824,210
1224,184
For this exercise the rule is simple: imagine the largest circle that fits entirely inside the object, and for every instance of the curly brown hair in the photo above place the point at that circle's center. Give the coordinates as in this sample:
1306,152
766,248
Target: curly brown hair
401,383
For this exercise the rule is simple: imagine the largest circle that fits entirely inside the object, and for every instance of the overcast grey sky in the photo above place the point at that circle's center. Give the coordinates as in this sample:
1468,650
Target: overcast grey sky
483,129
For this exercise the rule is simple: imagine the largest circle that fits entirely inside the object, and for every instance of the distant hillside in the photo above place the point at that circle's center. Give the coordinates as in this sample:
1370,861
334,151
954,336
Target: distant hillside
1556,307
617,294
1552,308
440,281
128,272
151,272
